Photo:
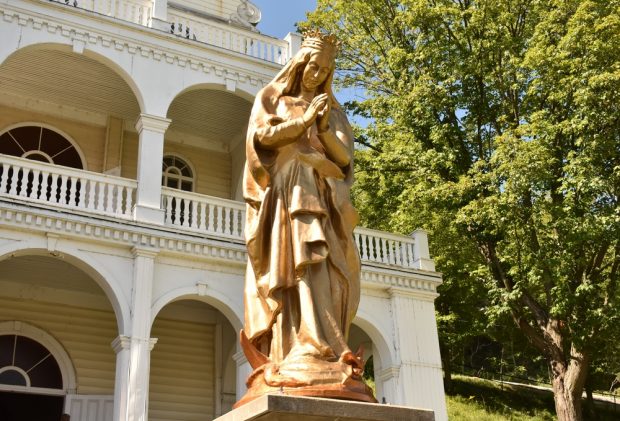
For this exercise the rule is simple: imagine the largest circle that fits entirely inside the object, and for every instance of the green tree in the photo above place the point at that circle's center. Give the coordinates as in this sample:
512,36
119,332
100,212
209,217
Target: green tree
496,125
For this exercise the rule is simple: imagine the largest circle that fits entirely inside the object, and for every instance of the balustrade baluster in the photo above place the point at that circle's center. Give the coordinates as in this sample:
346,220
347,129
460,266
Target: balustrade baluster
364,239
109,198
220,220
194,214
123,192
46,189
23,185
36,184
64,189
227,222
70,191
14,180
211,227
129,201
411,255
398,252
92,187
168,207
202,220
3,177
182,212
235,219
100,196
371,248
81,192
384,255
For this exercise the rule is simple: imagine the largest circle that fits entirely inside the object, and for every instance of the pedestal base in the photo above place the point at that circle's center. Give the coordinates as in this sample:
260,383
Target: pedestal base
280,407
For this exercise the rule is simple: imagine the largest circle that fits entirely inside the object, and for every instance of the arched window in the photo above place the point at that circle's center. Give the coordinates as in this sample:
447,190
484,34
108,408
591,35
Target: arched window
40,144
177,174
25,362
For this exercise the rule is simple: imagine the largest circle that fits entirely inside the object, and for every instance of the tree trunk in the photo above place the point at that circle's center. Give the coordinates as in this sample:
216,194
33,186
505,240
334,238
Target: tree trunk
447,369
568,382
590,408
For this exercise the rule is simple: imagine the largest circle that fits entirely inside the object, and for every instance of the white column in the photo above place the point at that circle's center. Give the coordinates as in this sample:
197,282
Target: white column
386,381
243,372
159,19
121,383
294,44
151,130
419,378
140,344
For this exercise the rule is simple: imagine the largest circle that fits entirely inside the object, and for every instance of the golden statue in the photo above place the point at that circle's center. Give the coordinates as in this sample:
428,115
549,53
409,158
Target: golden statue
303,275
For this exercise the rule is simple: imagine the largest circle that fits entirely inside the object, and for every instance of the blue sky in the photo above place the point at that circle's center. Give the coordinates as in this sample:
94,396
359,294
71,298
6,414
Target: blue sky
279,16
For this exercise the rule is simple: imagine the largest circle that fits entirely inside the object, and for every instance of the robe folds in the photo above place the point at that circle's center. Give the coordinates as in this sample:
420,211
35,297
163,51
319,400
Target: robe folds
303,276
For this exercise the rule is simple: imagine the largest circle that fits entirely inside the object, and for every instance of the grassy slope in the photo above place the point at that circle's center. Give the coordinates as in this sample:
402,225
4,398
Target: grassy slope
481,400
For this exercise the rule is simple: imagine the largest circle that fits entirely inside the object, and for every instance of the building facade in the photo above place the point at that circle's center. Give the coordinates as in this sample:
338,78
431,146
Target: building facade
122,260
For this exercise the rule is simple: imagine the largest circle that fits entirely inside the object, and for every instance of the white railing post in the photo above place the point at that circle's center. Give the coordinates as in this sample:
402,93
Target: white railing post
151,130
294,45
159,18
421,255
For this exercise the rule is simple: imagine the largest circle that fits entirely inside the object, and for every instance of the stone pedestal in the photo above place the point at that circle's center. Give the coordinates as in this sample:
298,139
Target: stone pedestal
280,407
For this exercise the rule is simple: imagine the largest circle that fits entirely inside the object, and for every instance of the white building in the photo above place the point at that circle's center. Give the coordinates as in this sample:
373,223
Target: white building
121,299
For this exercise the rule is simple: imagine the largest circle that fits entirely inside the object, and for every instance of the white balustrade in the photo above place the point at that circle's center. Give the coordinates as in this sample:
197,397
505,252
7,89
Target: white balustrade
205,214
192,25
385,248
136,11
69,188
232,38
66,187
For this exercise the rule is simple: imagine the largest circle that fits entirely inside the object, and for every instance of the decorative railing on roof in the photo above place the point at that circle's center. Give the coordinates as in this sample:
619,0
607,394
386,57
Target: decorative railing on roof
193,26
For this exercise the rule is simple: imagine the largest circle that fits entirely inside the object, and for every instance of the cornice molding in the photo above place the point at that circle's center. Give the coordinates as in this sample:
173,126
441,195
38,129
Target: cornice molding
167,241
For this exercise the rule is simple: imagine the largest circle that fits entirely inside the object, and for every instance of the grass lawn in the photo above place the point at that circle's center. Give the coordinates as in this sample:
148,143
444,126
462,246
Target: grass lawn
481,400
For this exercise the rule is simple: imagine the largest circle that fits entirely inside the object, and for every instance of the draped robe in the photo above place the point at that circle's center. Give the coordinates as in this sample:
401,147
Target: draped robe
302,282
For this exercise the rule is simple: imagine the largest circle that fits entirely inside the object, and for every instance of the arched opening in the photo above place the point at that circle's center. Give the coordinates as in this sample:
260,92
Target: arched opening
68,305
30,380
85,97
191,362
209,124
41,142
359,340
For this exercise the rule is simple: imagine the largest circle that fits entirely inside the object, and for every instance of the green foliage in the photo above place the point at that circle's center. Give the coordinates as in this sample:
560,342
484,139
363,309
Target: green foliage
495,125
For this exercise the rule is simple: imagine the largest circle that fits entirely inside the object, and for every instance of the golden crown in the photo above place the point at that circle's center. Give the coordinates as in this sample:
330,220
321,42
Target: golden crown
314,38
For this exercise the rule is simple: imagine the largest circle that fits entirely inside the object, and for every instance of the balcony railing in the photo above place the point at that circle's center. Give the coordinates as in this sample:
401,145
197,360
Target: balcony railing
191,25
209,215
136,11
94,193
204,214
64,187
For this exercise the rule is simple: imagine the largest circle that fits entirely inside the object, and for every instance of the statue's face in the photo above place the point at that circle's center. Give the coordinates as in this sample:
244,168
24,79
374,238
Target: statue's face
316,70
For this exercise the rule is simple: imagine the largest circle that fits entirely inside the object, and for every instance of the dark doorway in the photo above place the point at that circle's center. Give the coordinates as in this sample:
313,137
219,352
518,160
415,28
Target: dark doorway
30,407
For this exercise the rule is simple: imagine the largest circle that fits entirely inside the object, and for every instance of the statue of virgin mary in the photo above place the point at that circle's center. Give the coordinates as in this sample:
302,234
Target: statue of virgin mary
303,276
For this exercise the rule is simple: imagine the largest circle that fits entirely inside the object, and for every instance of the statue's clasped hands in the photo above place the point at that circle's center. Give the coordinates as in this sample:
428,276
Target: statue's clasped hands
318,111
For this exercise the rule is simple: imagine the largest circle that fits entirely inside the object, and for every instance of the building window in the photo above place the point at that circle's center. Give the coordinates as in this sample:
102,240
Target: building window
41,144
177,174
25,362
